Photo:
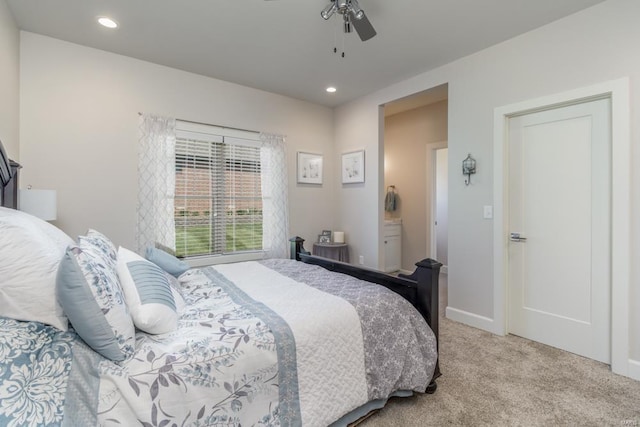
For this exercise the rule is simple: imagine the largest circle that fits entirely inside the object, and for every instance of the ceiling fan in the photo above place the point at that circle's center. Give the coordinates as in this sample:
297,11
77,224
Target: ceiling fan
352,14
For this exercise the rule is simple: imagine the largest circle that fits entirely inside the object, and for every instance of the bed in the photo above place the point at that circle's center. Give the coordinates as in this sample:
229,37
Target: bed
275,342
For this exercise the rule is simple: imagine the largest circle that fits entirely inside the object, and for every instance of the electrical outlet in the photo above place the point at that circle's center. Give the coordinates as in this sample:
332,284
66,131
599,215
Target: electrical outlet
361,259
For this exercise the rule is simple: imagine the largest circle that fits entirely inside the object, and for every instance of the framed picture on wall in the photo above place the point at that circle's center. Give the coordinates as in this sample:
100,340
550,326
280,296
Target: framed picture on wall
309,168
353,167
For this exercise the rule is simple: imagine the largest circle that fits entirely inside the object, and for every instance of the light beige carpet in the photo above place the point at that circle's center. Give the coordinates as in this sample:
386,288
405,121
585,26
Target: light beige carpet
488,380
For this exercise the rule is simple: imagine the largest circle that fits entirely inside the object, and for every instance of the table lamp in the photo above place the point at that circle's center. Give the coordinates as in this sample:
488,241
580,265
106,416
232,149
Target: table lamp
40,203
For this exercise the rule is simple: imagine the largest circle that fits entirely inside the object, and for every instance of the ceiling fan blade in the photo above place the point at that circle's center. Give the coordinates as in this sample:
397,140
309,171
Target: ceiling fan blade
363,27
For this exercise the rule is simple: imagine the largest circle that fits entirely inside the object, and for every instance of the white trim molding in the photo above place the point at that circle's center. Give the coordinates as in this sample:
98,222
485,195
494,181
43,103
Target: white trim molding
618,92
470,319
207,260
634,369
430,198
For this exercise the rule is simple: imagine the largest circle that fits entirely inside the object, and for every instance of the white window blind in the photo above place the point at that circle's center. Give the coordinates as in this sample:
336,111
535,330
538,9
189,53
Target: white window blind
218,200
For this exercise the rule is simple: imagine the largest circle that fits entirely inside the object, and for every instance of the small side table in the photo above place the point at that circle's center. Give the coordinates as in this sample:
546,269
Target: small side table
337,251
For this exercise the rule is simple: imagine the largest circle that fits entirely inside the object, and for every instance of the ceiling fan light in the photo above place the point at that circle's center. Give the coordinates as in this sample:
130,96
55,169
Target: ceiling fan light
328,11
347,24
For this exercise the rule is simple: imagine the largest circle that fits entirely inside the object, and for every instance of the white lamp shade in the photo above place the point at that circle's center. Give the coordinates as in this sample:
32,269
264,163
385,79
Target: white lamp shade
40,203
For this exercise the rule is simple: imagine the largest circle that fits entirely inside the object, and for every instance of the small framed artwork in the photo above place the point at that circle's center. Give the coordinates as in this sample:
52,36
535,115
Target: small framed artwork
324,238
309,168
353,167
326,233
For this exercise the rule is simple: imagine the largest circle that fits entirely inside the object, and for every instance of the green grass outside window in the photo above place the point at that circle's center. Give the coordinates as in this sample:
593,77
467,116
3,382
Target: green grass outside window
196,240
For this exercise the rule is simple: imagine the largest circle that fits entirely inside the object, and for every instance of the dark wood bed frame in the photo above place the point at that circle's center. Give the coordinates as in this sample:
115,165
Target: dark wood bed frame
419,288
9,193
8,185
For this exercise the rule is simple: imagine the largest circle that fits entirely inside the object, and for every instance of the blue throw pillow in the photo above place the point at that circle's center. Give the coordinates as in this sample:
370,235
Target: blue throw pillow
165,261
89,291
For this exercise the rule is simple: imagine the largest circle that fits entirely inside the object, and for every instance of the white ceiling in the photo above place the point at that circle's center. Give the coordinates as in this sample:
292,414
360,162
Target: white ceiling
284,46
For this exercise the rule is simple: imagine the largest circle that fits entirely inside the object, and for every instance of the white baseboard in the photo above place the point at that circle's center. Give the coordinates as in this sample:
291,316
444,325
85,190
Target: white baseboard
634,369
471,319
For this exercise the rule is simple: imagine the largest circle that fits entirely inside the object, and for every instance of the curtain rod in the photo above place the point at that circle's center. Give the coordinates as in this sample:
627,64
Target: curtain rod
209,124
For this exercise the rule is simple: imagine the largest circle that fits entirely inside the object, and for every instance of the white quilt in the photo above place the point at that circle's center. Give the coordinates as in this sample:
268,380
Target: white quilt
328,336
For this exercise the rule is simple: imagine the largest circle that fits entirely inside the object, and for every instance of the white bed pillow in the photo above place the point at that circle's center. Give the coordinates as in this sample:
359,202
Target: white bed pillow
30,252
148,293
176,290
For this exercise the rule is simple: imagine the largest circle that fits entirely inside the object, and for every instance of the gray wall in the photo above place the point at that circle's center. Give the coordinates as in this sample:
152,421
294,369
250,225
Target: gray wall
9,83
79,131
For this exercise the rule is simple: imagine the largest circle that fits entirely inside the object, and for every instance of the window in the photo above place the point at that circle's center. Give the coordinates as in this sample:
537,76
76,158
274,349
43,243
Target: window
218,191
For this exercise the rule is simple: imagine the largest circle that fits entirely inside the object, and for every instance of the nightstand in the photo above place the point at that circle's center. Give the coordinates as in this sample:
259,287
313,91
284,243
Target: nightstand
337,251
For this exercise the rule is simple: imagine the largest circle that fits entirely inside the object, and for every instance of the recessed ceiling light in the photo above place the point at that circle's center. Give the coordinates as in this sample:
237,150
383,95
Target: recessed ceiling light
107,22
331,89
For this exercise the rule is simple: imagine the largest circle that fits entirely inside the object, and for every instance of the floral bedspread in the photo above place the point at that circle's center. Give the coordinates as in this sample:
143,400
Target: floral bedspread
35,364
242,355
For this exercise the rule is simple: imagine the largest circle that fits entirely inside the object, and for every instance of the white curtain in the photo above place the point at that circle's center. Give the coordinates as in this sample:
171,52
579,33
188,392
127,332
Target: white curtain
156,182
275,199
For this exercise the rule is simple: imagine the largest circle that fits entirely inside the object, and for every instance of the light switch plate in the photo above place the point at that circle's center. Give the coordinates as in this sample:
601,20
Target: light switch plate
488,212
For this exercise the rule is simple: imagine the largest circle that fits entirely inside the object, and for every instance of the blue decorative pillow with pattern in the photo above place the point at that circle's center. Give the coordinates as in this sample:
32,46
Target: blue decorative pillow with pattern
89,291
101,245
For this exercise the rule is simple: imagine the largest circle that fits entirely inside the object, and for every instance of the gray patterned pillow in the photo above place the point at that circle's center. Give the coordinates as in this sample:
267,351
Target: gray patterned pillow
90,293
100,244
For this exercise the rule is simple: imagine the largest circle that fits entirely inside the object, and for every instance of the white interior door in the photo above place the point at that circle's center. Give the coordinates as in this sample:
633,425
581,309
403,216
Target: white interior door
560,228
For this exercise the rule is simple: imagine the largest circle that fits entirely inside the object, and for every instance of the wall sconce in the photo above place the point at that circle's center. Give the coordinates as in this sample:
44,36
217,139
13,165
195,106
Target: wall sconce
468,168
40,203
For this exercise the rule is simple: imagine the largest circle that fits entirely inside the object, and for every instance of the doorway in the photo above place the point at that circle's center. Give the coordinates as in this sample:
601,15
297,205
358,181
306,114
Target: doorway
618,93
410,125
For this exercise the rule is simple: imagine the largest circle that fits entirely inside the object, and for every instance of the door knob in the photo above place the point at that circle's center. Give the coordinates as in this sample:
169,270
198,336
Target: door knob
516,237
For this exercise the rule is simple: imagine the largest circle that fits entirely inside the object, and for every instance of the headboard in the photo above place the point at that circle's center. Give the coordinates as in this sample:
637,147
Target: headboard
8,180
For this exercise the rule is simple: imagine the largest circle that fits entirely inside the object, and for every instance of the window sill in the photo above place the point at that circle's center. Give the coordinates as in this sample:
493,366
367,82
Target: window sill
206,260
